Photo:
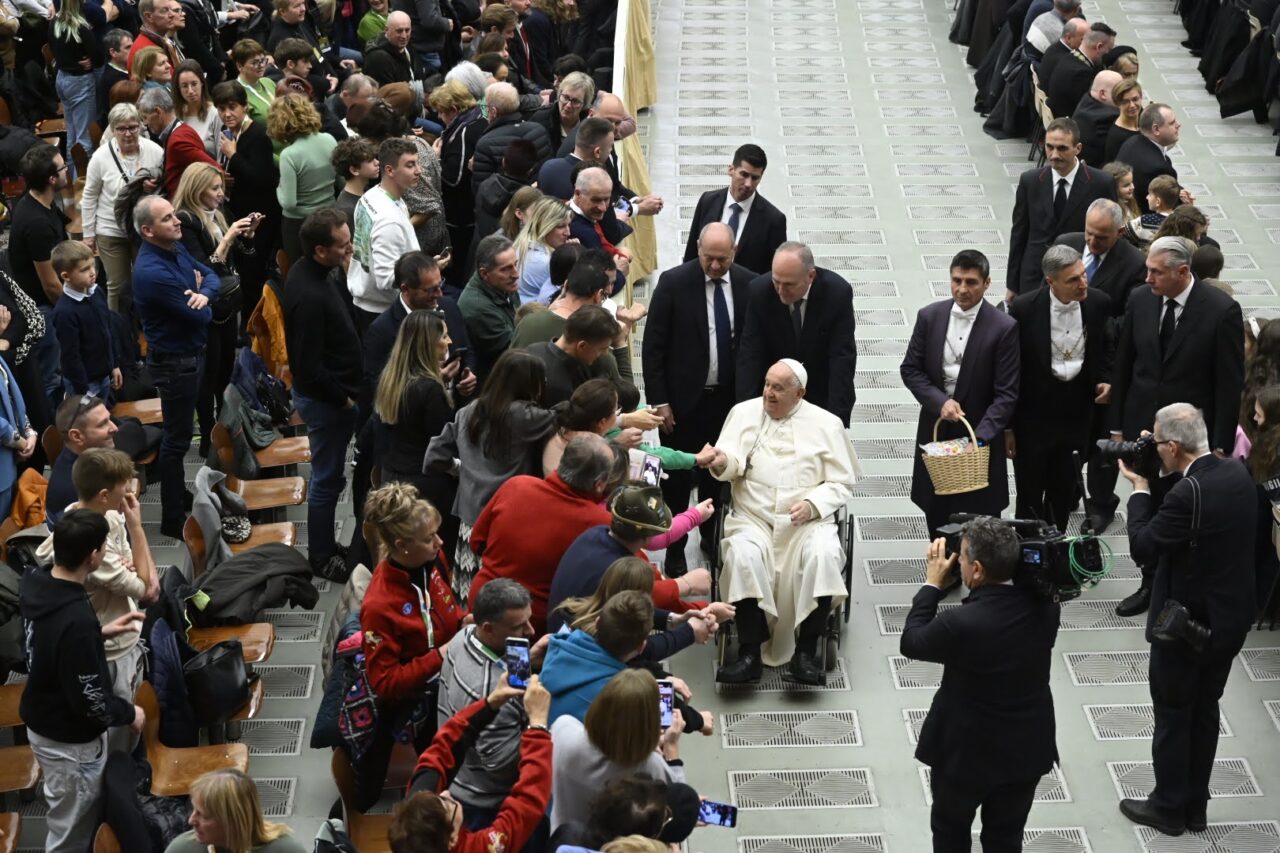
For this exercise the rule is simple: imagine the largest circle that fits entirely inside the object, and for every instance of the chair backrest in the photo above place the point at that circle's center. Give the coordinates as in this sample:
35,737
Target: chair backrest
146,699
222,445
282,264
10,697
194,537
51,441
105,841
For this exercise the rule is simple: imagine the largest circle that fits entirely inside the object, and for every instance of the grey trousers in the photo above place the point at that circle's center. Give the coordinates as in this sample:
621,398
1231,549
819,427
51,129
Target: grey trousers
72,788
126,676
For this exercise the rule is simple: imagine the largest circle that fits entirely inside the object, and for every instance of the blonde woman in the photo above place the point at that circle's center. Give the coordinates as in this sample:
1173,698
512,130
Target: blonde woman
546,228
1127,97
307,179
78,55
226,816
152,68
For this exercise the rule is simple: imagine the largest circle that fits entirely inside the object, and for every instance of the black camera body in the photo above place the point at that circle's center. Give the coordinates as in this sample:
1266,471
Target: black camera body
1175,622
1053,565
1140,454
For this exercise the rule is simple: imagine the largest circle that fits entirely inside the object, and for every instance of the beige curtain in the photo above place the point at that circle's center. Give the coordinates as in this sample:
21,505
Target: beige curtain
636,81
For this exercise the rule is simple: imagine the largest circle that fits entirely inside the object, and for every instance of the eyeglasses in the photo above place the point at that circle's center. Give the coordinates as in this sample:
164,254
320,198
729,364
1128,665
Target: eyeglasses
570,101
257,61
128,129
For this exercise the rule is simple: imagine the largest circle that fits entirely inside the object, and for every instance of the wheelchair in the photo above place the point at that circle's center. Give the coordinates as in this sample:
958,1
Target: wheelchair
837,619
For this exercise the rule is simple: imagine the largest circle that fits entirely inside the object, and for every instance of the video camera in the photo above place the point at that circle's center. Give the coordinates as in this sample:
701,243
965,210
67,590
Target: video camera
1140,455
1053,565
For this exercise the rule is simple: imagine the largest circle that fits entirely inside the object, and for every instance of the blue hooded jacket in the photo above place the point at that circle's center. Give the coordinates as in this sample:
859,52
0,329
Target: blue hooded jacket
575,670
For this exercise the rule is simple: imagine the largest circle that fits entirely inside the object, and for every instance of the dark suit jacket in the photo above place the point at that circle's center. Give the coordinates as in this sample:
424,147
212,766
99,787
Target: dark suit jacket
1214,580
1147,161
1204,365
1094,118
1034,225
1053,55
827,348
676,352
620,190
535,65
764,231
1123,269
581,228
987,390
1050,411
1071,81
381,336
992,720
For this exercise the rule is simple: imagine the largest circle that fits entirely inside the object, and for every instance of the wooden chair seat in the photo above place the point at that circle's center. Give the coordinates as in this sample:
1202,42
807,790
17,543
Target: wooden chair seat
105,841
272,493
257,690
10,831
174,770
368,832
18,769
10,696
285,451
147,411
257,639
282,532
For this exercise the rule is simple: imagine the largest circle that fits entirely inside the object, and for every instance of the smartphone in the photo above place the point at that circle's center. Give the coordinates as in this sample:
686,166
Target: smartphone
458,352
651,472
718,814
666,702
227,133
517,661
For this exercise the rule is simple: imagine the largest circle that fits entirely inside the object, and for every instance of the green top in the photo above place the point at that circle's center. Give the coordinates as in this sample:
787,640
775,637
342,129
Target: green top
186,843
372,25
672,459
548,325
260,97
307,178
491,321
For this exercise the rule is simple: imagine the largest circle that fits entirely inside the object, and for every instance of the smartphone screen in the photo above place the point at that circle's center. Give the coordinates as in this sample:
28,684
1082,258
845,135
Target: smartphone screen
717,814
651,474
666,702
517,661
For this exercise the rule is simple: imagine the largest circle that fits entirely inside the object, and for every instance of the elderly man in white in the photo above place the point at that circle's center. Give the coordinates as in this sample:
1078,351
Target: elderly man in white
791,466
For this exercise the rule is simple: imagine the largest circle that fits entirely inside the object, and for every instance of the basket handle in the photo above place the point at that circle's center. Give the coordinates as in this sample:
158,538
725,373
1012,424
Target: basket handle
972,436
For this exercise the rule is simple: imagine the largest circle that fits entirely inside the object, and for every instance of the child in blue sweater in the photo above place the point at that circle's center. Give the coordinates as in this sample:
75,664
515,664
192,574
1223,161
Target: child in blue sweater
82,321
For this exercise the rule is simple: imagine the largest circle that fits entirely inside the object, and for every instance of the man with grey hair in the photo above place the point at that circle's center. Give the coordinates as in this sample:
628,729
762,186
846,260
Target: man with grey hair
1094,114
182,146
1181,341
506,124
1074,76
802,311
1201,538
1063,342
984,754
530,522
488,303
593,223
1046,28
171,293
357,89
1068,45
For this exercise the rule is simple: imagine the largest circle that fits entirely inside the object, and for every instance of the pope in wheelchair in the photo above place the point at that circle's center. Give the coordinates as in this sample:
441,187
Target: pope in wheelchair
791,467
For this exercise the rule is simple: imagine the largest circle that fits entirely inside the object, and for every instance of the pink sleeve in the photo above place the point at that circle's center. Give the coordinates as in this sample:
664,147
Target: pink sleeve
1240,451
680,525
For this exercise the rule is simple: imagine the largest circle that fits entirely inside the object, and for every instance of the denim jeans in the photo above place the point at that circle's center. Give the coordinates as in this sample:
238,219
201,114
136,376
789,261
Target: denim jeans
79,96
100,388
48,355
177,379
329,431
432,61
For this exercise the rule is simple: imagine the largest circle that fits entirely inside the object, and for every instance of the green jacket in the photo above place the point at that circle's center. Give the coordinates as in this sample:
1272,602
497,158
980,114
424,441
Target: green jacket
547,326
491,321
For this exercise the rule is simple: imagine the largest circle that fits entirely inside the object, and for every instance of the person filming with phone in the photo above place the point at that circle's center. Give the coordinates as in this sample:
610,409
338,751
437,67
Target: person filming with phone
1201,540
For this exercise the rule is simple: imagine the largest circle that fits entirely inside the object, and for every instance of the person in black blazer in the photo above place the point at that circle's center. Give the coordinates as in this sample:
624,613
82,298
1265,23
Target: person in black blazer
1073,31
532,48
988,754
1158,130
1095,115
1038,215
1201,361
963,361
688,365
1062,330
1201,537
797,294
760,227
1073,78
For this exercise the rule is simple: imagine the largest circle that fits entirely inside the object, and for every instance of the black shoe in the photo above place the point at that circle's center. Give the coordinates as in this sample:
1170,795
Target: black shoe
1197,817
1141,811
172,530
1100,518
804,669
333,569
675,565
1136,603
747,669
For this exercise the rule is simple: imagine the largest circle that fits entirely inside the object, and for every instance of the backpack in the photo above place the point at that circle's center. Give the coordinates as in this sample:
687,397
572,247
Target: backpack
332,837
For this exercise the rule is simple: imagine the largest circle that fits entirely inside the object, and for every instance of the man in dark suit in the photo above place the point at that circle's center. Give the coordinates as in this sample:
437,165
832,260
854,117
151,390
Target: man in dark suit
532,47
592,222
1158,130
1094,115
1115,267
800,311
690,348
1050,201
984,753
1062,332
758,227
1202,539
1074,75
962,362
1069,45
1182,341
594,143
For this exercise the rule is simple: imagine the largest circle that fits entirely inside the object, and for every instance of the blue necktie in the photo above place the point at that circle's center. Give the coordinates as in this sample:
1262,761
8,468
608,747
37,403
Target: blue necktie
1092,268
724,333
735,214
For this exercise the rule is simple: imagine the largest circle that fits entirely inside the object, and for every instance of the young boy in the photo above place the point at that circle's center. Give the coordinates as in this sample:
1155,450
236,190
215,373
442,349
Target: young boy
67,704
355,160
82,321
127,575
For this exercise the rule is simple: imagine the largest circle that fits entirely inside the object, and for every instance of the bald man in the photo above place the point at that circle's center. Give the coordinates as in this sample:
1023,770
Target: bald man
1072,34
1094,115
1073,78
390,60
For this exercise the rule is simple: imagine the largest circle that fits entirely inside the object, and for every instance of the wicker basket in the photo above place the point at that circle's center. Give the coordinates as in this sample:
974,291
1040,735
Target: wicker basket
965,472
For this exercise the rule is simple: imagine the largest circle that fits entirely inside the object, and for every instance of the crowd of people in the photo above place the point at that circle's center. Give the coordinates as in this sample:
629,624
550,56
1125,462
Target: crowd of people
414,213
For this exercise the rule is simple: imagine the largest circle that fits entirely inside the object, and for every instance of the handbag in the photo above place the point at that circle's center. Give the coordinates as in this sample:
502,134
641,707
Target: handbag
358,716
217,683
229,299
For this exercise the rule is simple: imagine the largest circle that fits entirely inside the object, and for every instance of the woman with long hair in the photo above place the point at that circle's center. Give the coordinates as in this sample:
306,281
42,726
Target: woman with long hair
226,815
546,228
307,180
152,68
593,408
491,440
194,106
78,54
517,211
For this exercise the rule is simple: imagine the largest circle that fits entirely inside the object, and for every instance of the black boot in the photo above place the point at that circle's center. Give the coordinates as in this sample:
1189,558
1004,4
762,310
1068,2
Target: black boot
752,630
747,669
1161,820
804,666
1136,603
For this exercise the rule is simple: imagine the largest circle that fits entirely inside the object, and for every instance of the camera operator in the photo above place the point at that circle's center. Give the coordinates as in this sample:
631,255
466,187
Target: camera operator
989,736
1201,540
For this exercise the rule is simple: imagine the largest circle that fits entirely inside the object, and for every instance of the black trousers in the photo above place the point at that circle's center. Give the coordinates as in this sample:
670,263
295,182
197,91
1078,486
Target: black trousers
694,428
1004,814
1046,481
1101,476
1185,688
753,630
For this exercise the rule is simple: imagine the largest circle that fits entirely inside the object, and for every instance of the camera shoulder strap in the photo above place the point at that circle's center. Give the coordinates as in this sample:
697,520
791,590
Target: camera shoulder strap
1195,509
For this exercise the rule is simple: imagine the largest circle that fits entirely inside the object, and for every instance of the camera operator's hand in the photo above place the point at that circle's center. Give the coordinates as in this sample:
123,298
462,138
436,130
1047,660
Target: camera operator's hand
951,411
1010,444
1139,482
1103,392
938,565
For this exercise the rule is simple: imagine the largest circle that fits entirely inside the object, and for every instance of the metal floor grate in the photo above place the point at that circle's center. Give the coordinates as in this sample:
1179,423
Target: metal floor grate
890,486
891,528
1097,615
802,789
276,794
914,674
913,718
773,682
273,737
790,729
1262,836
885,413
892,617
1069,839
889,380
1261,664
1092,668
1132,722
1052,787
1273,709
287,682
883,347
295,626
894,572
155,538
884,448
881,317
1231,777
862,843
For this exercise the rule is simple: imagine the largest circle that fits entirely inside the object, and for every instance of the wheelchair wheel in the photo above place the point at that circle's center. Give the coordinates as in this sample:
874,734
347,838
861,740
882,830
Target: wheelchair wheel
832,653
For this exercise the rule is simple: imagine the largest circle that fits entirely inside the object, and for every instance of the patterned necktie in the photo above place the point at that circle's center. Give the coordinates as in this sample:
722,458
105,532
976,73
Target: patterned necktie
735,218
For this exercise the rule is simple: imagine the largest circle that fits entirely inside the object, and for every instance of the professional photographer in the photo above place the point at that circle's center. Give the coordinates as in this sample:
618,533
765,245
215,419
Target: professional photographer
989,736
1202,604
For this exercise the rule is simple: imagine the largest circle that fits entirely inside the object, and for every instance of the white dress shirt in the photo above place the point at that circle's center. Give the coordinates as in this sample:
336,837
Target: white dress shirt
959,325
1180,303
725,212
1069,177
713,364
1066,339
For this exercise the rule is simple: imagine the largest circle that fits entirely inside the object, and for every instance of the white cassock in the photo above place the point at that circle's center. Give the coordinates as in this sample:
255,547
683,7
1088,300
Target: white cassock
773,464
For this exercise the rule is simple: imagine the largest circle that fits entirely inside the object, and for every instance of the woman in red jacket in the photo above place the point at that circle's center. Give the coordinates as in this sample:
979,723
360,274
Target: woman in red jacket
408,616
